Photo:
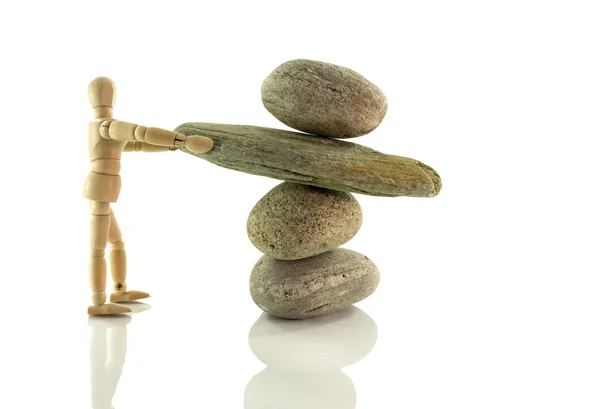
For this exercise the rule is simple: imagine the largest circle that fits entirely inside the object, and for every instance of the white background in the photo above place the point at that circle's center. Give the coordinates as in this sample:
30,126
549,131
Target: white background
489,294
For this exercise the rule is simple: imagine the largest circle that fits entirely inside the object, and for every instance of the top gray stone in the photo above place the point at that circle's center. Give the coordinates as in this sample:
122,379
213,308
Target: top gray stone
323,99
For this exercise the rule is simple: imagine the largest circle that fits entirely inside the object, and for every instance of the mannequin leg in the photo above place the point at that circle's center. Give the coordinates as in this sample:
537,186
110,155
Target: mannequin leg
99,227
118,257
118,265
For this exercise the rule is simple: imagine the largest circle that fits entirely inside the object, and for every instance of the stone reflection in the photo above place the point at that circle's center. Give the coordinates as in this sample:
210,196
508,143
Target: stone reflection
304,360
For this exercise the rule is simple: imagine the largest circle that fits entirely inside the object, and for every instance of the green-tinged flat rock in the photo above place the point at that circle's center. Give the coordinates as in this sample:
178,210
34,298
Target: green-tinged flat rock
314,160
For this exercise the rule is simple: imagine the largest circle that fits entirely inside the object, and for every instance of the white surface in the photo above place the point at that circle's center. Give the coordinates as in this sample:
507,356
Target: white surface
489,294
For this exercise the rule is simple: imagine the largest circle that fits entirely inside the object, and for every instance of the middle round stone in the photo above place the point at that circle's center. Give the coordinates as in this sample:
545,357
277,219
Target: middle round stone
294,221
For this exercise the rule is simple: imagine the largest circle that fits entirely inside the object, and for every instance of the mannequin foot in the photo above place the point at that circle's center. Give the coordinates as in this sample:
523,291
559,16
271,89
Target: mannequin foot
128,296
108,309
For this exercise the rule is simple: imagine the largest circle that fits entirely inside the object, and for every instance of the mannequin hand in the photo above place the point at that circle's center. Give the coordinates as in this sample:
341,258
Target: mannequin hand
198,144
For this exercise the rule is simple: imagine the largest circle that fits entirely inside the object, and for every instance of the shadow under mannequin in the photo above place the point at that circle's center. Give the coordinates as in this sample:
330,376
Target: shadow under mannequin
108,348
304,360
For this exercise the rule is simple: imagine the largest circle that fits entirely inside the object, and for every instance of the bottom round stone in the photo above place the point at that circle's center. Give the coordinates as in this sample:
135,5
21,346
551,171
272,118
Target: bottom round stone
312,286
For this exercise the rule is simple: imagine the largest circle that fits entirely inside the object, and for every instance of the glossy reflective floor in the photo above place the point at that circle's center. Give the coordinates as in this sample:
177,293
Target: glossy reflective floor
436,338
108,351
309,377
375,355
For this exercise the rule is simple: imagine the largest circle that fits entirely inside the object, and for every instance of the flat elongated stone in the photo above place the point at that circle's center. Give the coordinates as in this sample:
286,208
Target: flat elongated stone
313,160
313,286
323,99
294,221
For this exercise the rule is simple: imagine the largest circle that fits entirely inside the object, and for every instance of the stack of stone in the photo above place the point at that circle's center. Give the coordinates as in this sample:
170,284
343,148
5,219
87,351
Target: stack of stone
303,272
300,224
300,227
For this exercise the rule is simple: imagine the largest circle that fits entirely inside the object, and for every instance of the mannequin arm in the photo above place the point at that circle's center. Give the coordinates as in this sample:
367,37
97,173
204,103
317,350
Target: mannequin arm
146,147
125,131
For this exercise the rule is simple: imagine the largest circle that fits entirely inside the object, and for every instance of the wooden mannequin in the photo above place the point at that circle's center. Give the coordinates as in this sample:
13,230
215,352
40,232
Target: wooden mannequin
107,139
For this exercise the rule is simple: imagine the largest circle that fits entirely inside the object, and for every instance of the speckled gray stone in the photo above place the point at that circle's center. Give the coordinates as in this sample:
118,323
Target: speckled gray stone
312,286
294,221
313,160
323,99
